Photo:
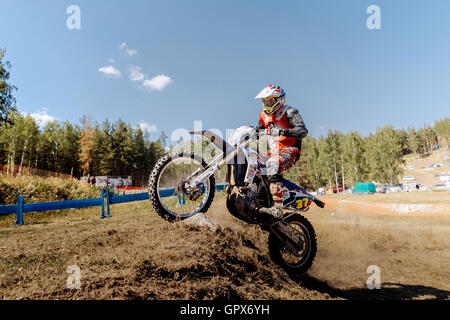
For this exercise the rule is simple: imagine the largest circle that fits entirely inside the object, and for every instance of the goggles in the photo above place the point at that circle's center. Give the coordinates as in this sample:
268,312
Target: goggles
269,105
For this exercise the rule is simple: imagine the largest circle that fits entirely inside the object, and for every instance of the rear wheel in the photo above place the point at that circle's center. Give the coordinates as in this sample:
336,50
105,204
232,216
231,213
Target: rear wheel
295,257
166,187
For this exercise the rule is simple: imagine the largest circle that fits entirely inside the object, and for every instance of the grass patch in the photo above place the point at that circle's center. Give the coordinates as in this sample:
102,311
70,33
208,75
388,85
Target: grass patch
39,189
415,197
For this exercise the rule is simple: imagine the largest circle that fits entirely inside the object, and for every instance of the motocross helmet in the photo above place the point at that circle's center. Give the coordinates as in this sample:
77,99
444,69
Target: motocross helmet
273,97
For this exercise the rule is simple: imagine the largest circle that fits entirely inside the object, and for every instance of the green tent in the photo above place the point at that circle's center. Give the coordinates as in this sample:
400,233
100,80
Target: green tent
364,188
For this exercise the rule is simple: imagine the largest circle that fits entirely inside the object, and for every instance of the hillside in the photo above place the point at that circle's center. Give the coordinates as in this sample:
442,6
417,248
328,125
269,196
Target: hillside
419,167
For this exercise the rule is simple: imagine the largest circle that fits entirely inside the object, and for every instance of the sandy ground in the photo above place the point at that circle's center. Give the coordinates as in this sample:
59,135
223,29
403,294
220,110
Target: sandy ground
412,252
136,255
414,197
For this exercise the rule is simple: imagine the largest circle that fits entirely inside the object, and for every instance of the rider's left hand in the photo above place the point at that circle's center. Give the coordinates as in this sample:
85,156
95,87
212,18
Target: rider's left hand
277,132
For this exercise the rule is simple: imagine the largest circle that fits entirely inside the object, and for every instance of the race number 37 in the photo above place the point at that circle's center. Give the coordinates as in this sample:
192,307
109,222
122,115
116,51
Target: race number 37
302,203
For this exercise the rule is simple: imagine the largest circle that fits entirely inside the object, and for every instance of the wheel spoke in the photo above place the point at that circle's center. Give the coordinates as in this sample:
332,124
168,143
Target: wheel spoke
173,201
296,258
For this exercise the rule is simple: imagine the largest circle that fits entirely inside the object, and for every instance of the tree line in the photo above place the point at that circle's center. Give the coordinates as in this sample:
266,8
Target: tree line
339,159
80,150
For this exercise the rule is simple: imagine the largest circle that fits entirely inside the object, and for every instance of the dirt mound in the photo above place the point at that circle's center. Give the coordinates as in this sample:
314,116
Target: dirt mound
166,261
192,262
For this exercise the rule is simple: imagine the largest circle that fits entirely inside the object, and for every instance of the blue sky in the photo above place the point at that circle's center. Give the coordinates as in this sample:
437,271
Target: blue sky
206,60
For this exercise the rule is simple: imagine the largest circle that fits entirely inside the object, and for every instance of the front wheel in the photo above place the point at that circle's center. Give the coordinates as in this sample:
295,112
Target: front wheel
295,258
167,195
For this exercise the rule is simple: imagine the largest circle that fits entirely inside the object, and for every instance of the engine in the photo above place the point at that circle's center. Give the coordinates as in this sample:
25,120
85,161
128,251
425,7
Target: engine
243,202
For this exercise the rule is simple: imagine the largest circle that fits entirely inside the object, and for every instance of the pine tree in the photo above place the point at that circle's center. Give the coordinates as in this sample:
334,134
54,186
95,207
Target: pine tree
384,155
333,148
87,146
416,141
7,100
442,128
353,157
29,132
69,151
311,148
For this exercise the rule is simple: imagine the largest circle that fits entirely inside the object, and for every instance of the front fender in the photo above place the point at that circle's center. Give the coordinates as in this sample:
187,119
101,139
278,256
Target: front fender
216,140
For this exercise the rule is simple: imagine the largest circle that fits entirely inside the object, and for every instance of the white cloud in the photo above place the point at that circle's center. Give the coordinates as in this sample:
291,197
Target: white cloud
128,51
135,73
157,83
110,71
146,127
111,60
41,116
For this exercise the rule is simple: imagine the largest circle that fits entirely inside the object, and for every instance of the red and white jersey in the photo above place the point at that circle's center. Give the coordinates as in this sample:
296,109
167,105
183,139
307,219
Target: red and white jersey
279,120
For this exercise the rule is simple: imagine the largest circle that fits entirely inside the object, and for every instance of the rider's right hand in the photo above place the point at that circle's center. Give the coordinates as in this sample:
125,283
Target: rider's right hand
261,133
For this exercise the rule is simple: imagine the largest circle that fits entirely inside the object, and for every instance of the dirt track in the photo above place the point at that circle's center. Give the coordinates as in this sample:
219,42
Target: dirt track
134,255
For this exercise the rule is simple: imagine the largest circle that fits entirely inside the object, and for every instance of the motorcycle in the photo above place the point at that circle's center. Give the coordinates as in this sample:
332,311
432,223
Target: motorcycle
182,184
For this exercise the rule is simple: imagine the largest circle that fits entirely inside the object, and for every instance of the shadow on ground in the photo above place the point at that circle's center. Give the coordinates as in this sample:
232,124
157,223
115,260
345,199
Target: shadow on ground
388,291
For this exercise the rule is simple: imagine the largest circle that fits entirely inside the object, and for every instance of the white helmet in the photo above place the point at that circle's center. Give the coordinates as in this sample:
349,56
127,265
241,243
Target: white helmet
277,94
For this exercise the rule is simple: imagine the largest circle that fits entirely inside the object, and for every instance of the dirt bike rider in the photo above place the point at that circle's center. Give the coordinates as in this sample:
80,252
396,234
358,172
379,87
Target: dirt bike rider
286,130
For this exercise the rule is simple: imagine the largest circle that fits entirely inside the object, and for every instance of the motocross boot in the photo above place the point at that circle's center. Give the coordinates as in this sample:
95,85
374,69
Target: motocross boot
276,211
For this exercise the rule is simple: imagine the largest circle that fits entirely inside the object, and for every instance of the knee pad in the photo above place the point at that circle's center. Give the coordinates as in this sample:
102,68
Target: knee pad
275,178
272,166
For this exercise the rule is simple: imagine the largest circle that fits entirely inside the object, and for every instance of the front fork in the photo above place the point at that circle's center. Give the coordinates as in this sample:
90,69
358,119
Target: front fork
192,185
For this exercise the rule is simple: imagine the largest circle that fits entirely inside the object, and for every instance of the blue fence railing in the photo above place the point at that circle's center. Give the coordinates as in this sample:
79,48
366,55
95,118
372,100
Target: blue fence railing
112,196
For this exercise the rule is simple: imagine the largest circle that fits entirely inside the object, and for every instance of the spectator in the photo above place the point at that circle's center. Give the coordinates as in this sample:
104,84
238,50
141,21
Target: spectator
93,181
